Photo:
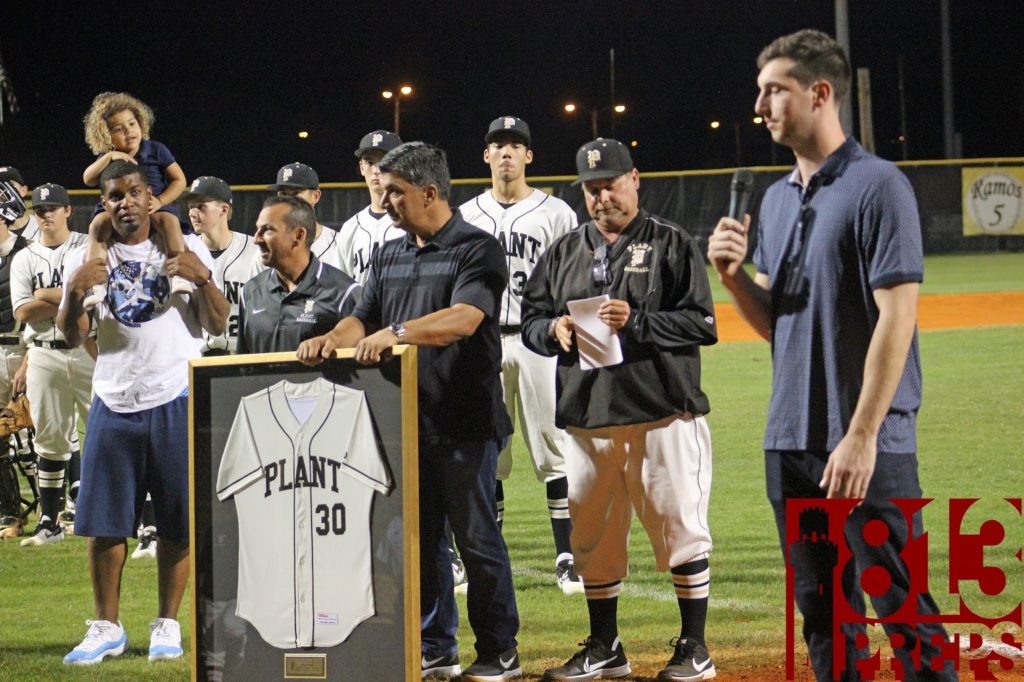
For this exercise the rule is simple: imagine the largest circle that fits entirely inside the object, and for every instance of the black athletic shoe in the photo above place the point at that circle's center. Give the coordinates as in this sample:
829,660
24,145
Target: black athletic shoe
594,661
690,662
504,666
439,666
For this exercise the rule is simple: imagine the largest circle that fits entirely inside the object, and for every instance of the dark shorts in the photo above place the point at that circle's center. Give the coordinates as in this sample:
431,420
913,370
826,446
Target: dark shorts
126,456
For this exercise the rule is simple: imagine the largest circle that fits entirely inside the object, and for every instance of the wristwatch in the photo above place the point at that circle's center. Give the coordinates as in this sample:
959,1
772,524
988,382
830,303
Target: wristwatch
398,329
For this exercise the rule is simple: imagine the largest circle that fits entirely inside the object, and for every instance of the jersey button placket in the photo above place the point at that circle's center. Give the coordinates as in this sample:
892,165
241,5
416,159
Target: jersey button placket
303,574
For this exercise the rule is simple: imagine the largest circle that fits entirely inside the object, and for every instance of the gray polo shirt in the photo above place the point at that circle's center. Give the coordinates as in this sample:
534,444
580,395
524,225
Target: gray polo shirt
272,319
825,249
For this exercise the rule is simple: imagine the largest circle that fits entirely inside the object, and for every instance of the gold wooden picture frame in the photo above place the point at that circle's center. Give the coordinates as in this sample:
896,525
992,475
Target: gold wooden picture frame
227,646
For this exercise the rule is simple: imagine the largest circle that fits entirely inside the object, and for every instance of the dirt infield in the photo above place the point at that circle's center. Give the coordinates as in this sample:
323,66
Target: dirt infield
941,311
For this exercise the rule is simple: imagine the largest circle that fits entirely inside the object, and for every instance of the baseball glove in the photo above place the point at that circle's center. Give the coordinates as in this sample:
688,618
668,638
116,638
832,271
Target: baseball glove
15,416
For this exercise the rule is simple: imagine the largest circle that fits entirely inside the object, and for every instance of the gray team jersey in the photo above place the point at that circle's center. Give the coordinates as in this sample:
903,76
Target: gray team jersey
360,237
525,230
40,267
232,268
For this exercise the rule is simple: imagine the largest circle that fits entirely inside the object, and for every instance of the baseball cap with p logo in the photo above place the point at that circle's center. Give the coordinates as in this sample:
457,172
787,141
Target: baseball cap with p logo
601,159
384,140
296,176
209,187
50,194
508,125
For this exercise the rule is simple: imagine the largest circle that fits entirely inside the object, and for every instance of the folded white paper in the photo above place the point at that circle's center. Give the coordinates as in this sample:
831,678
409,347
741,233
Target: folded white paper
599,346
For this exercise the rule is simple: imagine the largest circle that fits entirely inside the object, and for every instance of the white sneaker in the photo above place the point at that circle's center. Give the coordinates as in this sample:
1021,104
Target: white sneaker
146,549
47,533
101,640
164,639
568,581
95,296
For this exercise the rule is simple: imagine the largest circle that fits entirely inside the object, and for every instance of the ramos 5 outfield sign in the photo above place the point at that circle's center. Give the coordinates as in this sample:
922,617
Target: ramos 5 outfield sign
993,199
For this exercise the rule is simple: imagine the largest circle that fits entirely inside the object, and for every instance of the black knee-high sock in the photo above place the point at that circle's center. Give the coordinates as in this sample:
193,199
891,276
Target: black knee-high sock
499,498
603,607
558,511
693,584
148,515
51,487
74,474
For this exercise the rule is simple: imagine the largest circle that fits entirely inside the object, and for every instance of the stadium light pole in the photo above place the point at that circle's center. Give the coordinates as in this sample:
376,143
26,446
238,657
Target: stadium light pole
572,108
737,137
396,96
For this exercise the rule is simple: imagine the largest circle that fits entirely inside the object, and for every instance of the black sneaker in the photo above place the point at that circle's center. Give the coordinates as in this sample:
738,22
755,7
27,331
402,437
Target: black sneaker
439,666
690,661
594,661
504,666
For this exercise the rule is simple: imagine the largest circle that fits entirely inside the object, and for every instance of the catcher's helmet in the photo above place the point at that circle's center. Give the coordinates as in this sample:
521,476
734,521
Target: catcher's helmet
11,205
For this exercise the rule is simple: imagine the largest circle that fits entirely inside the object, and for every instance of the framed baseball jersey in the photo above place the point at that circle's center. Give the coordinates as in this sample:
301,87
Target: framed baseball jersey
304,516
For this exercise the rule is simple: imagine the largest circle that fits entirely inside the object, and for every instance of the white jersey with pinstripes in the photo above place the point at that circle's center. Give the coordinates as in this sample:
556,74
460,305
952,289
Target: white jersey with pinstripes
325,247
360,237
40,267
232,268
31,229
524,229
302,463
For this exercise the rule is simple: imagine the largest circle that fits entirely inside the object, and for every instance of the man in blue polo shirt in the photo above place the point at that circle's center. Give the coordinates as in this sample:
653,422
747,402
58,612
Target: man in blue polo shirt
839,262
440,288
297,297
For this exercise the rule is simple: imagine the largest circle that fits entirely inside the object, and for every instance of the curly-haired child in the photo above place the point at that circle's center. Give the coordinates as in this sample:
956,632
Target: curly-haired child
117,127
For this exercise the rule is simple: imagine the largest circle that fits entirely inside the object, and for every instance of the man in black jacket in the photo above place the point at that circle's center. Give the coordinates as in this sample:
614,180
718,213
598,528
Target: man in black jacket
638,431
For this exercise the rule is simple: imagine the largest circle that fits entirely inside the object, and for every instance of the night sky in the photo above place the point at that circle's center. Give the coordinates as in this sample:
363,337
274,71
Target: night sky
233,83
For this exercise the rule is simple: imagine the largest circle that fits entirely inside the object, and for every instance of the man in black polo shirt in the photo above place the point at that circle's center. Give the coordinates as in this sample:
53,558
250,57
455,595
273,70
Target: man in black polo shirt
297,297
440,288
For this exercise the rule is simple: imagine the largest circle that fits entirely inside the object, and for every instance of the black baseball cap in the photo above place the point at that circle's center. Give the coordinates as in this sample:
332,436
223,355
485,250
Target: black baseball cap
602,158
50,194
384,140
11,173
210,187
297,176
508,124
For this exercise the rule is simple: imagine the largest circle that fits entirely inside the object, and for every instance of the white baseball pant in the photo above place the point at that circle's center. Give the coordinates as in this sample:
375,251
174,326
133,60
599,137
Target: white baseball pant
661,469
10,361
58,381
528,381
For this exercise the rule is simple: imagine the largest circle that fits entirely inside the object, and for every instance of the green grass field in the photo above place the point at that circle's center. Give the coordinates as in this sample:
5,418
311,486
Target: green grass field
970,446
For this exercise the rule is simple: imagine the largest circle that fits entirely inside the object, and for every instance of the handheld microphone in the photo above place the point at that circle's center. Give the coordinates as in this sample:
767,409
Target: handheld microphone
739,198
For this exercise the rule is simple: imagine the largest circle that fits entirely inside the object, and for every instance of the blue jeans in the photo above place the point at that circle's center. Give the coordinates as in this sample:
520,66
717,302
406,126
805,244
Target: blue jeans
796,475
457,485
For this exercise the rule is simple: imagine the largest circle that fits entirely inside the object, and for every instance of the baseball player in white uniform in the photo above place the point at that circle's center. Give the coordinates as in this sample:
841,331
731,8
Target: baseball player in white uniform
58,378
236,258
526,221
299,180
361,235
317,436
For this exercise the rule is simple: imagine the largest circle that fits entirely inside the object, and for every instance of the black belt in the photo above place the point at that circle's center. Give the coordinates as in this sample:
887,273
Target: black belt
215,352
55,345
509,329
10,340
